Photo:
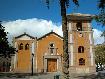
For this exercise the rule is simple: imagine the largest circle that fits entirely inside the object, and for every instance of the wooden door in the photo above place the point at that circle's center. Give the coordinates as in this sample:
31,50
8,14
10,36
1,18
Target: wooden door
52,65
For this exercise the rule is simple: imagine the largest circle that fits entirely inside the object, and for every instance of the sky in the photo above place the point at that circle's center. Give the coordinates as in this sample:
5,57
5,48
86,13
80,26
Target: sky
33,17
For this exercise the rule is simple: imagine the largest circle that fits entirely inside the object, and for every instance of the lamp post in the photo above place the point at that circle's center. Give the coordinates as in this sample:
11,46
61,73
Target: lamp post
32,58
32,64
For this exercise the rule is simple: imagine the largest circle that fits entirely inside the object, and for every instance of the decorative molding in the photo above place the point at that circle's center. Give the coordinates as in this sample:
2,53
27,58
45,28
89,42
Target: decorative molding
25,37
57,57
46,35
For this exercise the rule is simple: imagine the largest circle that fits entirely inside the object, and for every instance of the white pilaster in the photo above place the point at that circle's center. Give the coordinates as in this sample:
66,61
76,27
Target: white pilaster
90,38
15,56
33,48
33,52
71,49
89,24
91,55
57,63
70,39
69,27
91,43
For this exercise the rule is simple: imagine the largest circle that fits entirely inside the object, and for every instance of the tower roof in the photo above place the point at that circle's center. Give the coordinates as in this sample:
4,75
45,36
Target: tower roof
79,16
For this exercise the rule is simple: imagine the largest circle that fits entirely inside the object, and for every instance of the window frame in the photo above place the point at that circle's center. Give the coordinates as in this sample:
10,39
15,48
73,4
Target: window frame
80,49
27,46
81,62
79,26
21,46
51,48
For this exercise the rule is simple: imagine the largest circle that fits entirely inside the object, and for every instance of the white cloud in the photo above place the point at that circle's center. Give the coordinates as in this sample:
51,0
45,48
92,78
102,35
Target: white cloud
34,27
97,36
38,27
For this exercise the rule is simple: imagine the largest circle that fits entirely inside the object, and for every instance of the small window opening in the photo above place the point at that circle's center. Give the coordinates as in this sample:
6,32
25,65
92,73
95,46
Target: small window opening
27,46
81,61
79,26
51,48
80,49
21,46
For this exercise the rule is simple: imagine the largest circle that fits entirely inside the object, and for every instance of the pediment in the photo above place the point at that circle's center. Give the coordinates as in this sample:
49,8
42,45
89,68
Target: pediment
24,38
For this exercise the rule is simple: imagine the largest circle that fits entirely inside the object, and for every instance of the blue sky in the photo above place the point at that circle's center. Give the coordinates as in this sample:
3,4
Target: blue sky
25,9
12,10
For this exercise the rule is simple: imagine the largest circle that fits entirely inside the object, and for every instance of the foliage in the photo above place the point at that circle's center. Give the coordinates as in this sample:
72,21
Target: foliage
101,4
100,54
5,49
101,16
66,2
103,35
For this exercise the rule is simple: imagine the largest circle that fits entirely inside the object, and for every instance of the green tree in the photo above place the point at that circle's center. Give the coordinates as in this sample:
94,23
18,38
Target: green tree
100,54
64,4
101,16
5,48
103,35
100,49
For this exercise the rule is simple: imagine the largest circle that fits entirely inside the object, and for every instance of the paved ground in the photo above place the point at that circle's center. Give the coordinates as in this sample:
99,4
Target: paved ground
99,75
27,76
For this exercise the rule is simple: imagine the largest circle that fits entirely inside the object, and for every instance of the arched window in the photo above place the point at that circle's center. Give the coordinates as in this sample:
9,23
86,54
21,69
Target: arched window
21,46
52,48
79,26
81,61
80,49
27,46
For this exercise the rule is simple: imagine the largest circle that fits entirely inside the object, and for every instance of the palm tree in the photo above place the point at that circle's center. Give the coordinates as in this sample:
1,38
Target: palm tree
64,5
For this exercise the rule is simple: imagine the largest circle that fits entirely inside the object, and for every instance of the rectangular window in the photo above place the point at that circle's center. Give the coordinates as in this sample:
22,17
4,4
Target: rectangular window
51,50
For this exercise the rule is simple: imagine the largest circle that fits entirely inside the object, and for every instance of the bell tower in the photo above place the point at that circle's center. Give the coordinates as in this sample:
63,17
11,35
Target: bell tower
80,43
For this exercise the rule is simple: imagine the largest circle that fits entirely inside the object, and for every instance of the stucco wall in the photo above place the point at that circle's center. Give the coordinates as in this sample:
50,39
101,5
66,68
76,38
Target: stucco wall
42,48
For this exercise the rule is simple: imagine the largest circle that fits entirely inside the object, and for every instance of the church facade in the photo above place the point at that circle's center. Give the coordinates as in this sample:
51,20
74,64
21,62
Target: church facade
45,54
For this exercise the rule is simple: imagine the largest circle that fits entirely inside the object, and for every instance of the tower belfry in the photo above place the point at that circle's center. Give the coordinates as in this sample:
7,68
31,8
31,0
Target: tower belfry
80,43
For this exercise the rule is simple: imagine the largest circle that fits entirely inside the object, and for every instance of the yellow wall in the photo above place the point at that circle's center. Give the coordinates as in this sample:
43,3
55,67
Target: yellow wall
43,45
23,57
81,41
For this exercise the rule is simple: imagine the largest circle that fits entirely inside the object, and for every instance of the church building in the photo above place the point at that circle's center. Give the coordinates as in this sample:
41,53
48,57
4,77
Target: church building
45,54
